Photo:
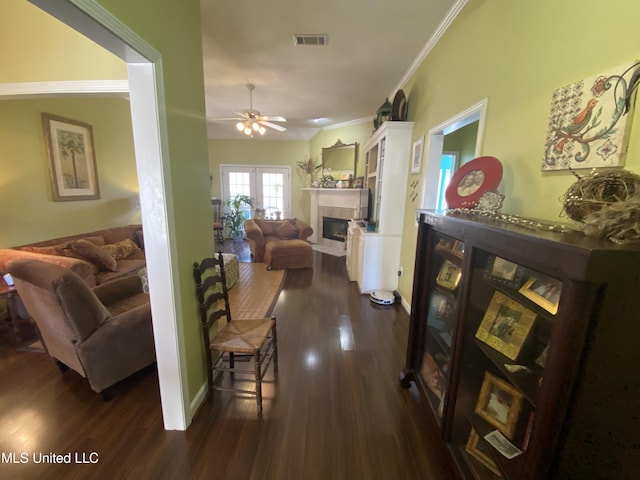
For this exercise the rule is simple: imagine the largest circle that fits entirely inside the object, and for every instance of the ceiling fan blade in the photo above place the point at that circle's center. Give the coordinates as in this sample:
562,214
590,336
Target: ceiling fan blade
274,118
225,118
279,128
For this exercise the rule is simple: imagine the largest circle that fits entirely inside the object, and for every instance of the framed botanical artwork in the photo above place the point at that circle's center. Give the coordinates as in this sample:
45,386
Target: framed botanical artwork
416,160
441,310
503,272
499,404
449,275
478,450
544,291
358,182
72,159
505,325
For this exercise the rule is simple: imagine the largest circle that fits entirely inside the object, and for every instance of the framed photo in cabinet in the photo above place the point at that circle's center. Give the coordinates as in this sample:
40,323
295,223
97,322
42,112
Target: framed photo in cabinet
499,403
503,272
433,376
544,291
478,450
505,325
449,275
457,249
441,310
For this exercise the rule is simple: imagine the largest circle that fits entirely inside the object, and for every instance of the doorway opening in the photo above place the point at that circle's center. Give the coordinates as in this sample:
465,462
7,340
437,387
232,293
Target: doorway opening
150,145
461,134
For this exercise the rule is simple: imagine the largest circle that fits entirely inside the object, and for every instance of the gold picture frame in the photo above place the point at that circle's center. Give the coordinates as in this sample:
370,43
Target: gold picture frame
544,291
499,404
72,159
478,450
449,275
505,325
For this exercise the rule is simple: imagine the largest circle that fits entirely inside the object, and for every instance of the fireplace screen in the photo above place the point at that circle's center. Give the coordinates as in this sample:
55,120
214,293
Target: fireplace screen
334,228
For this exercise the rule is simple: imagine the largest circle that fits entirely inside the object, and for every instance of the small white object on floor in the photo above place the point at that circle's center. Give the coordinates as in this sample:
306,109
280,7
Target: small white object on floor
382,297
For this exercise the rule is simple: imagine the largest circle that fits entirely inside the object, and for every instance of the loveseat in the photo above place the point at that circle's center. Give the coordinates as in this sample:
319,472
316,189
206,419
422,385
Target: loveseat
97,257
261,232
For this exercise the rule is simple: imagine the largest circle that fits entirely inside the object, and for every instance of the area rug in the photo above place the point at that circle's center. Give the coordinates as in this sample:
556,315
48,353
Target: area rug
256,292
336,252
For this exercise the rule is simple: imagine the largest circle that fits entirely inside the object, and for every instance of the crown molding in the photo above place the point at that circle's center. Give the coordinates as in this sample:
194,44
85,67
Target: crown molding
349,123
61,88
439,32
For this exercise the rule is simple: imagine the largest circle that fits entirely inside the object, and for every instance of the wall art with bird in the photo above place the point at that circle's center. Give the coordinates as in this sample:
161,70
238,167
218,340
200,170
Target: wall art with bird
588,126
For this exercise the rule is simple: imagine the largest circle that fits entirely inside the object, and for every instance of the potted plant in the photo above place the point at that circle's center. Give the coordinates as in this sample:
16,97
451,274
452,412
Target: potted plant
235,215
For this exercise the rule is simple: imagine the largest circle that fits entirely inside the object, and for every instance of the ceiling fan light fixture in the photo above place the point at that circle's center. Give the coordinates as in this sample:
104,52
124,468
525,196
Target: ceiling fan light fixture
240,126
247,130
261,130
255,126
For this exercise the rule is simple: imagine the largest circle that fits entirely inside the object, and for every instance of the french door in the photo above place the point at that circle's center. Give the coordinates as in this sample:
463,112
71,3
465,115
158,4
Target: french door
268,187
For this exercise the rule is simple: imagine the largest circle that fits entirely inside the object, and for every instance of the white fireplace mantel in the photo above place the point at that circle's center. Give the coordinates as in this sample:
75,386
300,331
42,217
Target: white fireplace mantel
353,201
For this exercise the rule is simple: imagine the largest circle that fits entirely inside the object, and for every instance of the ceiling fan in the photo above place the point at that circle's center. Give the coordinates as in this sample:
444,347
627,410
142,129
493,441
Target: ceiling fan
250,121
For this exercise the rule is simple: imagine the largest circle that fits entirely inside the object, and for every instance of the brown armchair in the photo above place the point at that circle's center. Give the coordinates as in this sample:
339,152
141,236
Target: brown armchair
103,333
259,232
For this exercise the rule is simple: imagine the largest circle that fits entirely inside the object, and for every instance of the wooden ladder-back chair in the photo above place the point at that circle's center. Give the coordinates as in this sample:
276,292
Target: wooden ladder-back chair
218,220
247,337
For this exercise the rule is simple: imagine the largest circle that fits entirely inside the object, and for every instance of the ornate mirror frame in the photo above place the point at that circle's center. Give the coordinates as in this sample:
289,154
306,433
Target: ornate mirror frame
340,160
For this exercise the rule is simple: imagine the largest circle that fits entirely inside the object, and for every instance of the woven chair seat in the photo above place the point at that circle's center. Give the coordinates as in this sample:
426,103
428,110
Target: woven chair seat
242,336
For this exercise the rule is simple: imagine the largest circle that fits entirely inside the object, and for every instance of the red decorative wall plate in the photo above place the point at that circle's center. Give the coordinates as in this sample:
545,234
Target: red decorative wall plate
470,181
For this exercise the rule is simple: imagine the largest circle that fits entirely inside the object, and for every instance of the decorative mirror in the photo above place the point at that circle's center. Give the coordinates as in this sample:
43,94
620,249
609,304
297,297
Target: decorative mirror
340,160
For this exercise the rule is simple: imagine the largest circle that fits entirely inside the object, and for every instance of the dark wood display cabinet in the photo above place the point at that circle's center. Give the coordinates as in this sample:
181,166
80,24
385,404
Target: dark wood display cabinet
524,346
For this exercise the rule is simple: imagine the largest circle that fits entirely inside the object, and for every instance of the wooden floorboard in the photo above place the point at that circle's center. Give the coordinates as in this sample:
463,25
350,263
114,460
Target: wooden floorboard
334,412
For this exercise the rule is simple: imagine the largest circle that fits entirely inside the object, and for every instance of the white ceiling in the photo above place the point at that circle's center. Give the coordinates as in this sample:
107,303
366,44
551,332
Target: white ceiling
372,46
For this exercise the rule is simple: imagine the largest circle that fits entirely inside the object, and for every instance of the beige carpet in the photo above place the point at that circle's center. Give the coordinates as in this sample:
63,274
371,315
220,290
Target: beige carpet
256,292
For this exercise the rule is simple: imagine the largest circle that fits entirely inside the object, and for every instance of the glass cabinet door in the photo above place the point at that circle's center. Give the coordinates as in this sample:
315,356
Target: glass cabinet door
439,324
508,324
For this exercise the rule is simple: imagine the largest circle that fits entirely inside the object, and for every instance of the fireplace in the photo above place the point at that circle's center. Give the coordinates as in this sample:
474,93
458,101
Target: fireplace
334,228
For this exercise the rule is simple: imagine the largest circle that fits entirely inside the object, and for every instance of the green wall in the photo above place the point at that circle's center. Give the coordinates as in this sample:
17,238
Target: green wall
515,54
462,141
26,185
173,29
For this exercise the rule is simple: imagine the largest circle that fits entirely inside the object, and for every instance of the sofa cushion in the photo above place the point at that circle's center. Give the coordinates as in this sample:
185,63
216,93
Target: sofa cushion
94,254
121,249
267,226
125,266
286,231
50,250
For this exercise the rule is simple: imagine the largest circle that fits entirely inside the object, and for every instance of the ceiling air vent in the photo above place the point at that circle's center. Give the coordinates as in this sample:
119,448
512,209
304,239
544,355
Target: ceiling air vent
308,39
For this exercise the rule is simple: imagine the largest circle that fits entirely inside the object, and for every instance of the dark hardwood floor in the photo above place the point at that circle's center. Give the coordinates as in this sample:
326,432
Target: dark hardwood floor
336,410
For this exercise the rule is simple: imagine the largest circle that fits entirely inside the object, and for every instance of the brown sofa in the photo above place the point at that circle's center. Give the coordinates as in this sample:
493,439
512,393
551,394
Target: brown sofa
103,333
100,257
260,232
